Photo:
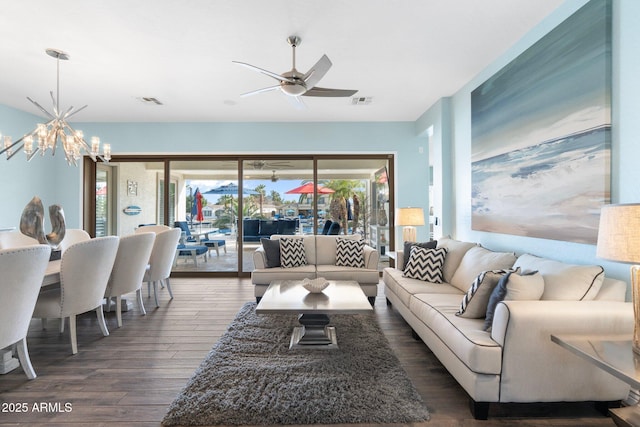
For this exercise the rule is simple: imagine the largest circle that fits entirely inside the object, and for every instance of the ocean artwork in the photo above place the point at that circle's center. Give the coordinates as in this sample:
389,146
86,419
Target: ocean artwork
541,135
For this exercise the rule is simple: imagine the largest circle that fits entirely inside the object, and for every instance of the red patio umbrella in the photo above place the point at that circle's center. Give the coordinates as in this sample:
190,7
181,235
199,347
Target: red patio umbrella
198,196
308,189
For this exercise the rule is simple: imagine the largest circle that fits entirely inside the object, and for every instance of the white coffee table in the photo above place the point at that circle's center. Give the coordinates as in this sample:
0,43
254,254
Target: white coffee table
289,296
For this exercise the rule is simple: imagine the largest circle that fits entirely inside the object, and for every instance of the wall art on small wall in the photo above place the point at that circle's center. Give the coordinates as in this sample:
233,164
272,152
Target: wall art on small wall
132,188
541,134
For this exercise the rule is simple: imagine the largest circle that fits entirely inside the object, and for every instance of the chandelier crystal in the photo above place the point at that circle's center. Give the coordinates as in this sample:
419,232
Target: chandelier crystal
46,136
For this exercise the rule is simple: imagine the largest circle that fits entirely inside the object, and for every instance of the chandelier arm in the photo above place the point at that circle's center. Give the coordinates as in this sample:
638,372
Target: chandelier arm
66,113
51,116
69,114
15,152
33,153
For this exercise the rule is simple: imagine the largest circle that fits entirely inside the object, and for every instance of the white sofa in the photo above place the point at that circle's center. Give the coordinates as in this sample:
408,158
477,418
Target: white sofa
320,253
515,361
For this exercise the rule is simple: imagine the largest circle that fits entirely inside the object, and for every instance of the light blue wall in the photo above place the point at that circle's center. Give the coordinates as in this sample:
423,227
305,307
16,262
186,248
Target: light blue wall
207,138
625,144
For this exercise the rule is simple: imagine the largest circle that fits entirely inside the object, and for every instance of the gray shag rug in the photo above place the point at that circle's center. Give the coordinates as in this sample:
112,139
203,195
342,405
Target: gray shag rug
251,377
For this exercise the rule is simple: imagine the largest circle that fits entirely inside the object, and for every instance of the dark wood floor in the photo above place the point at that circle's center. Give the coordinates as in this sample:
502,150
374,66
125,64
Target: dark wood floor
130,377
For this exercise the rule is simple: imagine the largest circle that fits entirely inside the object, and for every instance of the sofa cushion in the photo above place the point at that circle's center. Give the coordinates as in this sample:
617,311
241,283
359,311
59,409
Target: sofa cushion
455,251
271,252
337,272
292,253
404,287
265,276
433,244
476,260
514,286
565,281
350,252
472,346
474,302
425,264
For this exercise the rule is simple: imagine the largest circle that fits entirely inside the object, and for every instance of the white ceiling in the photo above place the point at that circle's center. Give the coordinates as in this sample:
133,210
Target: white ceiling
405,54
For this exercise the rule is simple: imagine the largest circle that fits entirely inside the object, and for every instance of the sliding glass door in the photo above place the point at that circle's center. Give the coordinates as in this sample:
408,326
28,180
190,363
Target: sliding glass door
226,204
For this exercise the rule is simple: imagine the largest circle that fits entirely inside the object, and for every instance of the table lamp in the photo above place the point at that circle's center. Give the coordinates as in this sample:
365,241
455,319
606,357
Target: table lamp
619,240
409,218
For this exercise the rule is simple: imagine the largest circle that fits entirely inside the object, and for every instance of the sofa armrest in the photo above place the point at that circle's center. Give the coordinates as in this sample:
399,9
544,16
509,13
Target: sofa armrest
533,364
259,258
371,257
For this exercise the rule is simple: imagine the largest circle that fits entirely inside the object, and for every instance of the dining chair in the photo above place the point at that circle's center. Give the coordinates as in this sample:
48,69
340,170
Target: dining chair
84,272
15,239
152,228
22,273
73,236
128,270
161,261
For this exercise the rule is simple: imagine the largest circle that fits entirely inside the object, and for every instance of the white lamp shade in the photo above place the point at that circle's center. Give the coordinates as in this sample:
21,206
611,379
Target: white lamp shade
410,216
619,233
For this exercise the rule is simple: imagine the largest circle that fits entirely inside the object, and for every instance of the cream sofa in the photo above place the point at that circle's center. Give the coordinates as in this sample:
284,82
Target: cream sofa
515,361
320,253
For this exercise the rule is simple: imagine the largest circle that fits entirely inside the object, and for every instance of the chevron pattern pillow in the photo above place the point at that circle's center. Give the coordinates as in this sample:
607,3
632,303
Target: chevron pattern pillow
425,264
350,252
292,253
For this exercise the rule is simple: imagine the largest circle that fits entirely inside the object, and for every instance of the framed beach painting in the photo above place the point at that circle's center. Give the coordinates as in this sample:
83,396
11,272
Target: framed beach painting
541,134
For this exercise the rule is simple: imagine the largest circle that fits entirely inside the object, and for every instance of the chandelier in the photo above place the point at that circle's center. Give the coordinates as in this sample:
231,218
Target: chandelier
46,136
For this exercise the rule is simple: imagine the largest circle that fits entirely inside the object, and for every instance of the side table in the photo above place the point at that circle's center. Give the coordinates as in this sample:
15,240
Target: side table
613,354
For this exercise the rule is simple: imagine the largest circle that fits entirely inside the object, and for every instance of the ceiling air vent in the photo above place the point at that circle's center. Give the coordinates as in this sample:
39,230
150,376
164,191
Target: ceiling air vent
149,100
361,100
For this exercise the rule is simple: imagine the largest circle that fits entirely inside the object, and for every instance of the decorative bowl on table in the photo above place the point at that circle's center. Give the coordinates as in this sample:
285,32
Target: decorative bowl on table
315,286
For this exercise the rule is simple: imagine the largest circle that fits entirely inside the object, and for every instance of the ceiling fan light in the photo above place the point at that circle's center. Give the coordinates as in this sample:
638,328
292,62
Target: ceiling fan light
293,89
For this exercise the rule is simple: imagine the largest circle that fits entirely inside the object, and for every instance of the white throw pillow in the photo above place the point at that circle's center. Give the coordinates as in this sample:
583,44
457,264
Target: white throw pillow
425,264
292,253
565,282
525,287
350,252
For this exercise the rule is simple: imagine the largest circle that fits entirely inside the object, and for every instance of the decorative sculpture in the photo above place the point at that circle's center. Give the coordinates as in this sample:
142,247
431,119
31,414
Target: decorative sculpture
32,223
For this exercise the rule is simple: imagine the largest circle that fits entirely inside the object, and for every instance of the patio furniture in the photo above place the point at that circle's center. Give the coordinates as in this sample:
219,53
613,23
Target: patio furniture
84,272
192,251
128,270
201,238
22,272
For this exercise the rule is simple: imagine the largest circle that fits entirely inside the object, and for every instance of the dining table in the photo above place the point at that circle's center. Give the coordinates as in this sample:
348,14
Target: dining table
52,274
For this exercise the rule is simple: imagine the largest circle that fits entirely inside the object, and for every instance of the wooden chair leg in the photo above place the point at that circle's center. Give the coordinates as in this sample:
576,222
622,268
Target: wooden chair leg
140,302
72,333
101,322
169,288
155,292
119,310
25,361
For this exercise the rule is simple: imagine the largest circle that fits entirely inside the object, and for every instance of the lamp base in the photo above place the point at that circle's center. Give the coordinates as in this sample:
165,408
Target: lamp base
409,234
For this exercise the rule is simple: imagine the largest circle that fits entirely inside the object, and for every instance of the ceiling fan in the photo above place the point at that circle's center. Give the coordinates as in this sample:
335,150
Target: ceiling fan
295,84
262,164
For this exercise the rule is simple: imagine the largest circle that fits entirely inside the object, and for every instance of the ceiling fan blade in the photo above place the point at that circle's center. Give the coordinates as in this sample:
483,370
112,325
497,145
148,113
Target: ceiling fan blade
265,72
266,89
323,91
296,102
313,76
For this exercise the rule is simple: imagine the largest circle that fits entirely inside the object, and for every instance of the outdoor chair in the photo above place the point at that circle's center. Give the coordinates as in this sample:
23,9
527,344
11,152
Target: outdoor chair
200,239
